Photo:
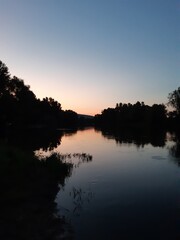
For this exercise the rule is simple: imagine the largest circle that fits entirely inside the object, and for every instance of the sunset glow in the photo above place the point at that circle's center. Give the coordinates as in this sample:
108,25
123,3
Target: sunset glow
89,55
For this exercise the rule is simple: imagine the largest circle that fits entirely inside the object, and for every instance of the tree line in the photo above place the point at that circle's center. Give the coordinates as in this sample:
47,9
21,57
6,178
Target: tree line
20,107
142,115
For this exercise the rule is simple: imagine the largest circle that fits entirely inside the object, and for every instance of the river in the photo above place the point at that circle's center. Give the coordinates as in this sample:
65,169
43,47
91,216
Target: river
129,189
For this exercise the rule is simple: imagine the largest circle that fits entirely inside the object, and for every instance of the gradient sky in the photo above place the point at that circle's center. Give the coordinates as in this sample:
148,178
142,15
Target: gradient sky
92,54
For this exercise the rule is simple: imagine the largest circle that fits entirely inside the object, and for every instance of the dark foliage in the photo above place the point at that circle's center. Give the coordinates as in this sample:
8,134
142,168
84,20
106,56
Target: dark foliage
175,149
174,116
129,114
28,189
20,107
174,100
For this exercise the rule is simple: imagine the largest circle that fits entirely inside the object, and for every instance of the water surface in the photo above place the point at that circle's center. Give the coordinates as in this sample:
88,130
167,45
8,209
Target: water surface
130,189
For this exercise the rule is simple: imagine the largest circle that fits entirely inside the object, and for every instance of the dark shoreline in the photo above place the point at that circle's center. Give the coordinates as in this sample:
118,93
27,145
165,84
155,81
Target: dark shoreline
28,189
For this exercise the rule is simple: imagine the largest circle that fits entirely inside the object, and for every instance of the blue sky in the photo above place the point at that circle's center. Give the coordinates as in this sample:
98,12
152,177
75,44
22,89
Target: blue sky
92,54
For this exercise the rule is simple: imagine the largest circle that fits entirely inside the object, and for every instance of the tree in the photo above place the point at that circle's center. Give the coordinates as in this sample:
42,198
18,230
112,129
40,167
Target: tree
20,107
4,79
174,100
158,114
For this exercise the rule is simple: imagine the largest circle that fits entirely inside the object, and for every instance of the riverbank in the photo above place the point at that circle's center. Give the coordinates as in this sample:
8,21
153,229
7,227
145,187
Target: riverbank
28,189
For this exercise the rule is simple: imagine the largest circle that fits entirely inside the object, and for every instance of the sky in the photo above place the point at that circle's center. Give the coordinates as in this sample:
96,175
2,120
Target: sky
91,54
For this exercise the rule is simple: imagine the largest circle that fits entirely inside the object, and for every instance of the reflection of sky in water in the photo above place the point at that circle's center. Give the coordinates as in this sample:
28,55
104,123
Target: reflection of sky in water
124,191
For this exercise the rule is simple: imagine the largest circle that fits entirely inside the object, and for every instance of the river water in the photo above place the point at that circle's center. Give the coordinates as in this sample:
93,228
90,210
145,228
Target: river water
130,189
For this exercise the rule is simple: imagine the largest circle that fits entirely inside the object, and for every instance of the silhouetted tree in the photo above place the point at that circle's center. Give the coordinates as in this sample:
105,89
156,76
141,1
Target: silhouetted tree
20,107
4,79
158,114
174,116
174,100
6,101
49,112
25,101
69,118
137,114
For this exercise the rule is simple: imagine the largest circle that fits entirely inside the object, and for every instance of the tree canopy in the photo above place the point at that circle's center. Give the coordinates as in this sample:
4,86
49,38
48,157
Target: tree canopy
174,100
137,114
20,107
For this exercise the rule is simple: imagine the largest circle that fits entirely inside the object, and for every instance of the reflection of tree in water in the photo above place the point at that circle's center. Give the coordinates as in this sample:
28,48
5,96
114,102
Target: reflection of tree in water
29,185
35,139
28,189
175,149
139,137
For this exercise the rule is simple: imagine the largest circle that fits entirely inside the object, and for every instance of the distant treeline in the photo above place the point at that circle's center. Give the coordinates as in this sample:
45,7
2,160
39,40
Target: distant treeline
132,114
141,115
20,107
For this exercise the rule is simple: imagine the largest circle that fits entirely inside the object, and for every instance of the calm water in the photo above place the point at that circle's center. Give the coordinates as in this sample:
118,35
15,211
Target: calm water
130,189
